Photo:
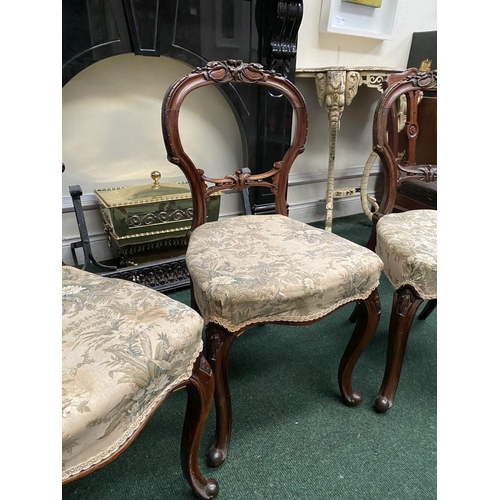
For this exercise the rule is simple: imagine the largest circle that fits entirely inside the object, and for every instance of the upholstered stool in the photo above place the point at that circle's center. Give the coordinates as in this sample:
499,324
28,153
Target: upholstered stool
125,347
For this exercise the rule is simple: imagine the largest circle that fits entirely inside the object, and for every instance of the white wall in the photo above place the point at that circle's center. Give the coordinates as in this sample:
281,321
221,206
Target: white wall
111,134
317,49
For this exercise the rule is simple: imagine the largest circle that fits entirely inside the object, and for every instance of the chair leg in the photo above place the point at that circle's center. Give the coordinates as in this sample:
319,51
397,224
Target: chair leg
404,308
354,315
428,308
200,392
219,342
368,317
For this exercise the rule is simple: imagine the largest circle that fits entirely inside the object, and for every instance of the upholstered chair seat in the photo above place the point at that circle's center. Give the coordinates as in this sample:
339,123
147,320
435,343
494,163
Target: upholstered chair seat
407,244
289,271
124,348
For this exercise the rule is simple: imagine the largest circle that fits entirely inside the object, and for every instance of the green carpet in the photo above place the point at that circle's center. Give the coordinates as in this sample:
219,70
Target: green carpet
292,437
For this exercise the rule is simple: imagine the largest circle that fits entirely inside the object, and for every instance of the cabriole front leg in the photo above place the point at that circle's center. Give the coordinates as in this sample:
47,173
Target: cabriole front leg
405,304
219,342
368,317
200,390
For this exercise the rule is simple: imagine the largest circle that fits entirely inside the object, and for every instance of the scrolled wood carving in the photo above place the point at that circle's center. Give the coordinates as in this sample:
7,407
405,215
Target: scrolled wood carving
215,345
240,180
427,173
405,299
205,366
234,70
423,79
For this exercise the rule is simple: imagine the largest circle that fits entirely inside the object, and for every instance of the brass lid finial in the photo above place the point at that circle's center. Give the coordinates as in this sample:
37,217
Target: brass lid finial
155,175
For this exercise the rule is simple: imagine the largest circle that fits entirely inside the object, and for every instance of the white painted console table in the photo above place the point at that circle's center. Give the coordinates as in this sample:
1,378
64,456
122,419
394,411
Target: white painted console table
336,87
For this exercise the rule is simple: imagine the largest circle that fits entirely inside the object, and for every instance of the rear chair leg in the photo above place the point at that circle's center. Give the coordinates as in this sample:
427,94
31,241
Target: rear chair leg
368,317
428,308
200,390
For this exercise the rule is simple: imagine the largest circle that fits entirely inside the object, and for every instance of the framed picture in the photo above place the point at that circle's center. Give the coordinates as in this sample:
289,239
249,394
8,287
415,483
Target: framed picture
370,3
365,18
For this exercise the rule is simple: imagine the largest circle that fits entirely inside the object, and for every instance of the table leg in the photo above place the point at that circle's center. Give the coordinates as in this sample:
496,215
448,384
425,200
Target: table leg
335,89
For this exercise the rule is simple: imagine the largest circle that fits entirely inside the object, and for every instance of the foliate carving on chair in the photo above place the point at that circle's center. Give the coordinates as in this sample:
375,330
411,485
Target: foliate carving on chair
205,366
423,80
234,70
404,301
214,345
427,173
375,298
241,180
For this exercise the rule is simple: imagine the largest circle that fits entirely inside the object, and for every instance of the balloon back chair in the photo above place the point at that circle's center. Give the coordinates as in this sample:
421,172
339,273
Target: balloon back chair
125,348
255,269
405,241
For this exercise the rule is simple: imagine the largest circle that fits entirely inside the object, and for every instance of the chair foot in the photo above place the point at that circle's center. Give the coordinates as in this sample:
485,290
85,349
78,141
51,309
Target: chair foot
405,304
215,457
383,404
219,342
368,317
211,490
353,399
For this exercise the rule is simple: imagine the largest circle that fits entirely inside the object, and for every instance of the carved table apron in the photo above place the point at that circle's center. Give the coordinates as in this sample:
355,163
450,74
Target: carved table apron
336,87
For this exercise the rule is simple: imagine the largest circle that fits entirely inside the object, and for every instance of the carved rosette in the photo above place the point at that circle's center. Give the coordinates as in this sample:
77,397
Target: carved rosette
423,80
234,70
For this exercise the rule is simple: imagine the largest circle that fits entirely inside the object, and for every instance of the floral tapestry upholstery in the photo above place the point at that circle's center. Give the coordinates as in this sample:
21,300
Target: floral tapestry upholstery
264,268
407,243
124,347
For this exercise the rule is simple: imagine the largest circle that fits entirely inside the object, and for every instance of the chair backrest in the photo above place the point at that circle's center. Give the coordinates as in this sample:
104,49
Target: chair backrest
234,72
399,123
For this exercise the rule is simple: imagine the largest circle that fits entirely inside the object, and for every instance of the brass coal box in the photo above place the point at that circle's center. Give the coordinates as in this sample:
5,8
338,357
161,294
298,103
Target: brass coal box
149,219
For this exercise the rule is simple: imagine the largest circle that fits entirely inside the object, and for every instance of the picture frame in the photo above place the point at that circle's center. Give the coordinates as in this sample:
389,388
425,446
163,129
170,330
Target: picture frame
357,19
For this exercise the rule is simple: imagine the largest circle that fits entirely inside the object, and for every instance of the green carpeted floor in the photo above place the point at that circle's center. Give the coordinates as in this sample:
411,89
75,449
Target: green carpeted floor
292,437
